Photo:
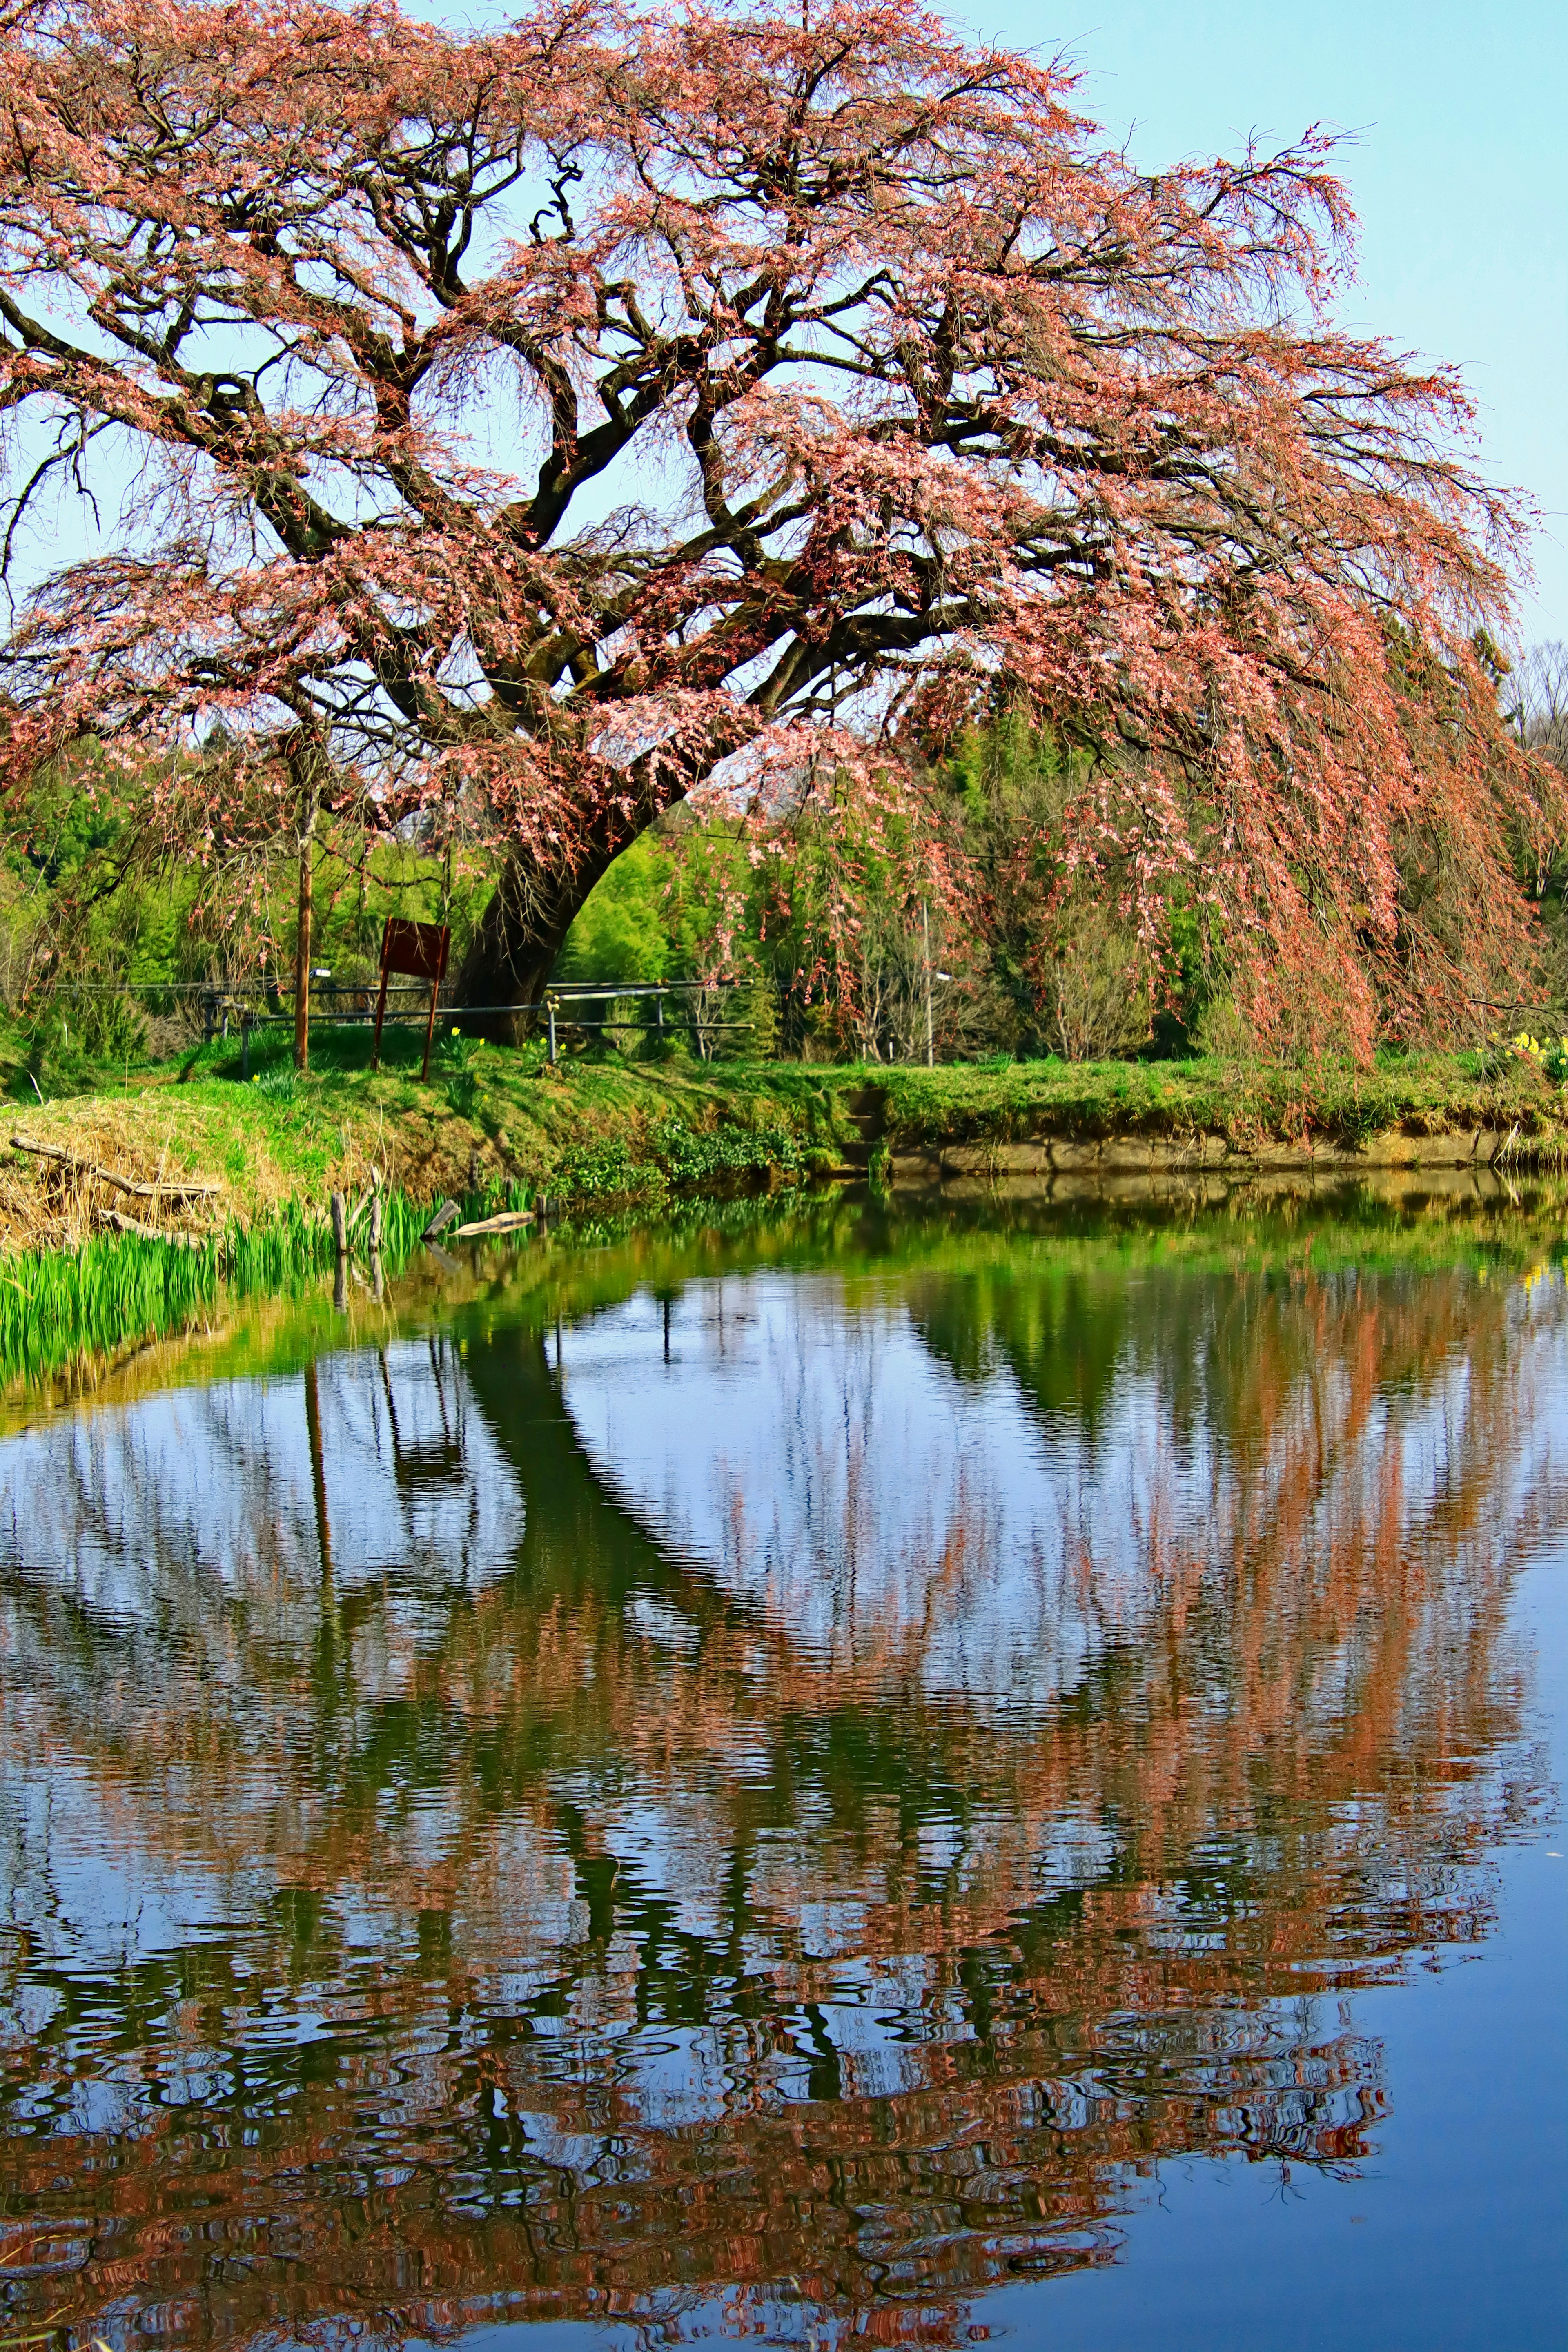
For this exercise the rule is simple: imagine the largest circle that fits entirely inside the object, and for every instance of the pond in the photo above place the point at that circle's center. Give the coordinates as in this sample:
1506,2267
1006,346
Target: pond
985,1768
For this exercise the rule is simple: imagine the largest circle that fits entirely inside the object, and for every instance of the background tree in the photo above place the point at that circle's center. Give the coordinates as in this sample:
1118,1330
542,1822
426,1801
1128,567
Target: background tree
1540,697
529,426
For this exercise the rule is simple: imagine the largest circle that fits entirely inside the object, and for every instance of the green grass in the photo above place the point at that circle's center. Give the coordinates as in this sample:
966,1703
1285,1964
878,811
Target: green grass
1245,1101
56,1305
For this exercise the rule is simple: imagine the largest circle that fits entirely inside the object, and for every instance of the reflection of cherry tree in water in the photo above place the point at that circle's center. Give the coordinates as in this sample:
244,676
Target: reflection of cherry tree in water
603,1948
367,1464
984,1480
438,1456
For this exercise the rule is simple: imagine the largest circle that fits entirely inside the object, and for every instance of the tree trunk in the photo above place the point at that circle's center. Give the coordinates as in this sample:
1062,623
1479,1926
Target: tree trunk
508,967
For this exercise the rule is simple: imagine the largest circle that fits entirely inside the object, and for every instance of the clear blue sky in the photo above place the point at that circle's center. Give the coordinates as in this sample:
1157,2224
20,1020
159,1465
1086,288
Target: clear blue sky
1459,174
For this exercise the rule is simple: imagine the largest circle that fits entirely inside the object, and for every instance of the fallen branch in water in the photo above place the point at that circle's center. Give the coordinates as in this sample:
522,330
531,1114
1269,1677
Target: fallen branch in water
507,1223
191,1191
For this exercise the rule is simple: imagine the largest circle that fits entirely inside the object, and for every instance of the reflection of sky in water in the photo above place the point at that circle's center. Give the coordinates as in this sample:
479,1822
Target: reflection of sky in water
822,1464
162,1514
220,1479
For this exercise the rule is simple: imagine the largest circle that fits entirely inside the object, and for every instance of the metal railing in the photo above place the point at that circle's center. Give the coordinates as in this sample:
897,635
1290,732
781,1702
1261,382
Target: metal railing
352,1005
562,994
564,1004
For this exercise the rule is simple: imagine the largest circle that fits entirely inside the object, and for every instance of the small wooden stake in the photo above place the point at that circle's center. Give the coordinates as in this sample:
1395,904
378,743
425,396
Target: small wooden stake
440,1220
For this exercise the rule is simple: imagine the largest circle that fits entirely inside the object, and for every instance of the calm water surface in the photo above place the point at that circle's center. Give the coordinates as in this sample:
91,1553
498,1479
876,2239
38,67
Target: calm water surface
844,1774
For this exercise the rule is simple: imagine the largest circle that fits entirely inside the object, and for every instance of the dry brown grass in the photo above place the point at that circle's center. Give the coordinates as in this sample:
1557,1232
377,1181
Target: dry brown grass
49,1202
258,1163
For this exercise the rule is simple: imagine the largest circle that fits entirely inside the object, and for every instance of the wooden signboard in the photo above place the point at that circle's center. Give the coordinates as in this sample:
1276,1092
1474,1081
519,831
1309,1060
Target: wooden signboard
419,952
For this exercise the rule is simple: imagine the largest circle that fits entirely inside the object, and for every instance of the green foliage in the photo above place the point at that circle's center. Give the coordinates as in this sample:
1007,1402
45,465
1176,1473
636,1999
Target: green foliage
682,904
623,931
812,939
607,1168
105,949
830,927
678,1156
694,1156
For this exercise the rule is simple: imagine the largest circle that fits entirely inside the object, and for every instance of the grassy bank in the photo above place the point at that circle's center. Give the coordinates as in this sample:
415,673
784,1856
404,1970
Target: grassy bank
1251,1104
496,1126
492,1125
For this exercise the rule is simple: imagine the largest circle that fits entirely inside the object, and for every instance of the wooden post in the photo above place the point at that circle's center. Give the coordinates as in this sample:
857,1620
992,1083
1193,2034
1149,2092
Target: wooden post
306,761
430,1025
341,1246
381,997
551,1007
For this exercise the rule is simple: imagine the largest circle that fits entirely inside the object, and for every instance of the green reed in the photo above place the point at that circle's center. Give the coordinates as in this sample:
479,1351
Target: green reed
57,1303
118,1289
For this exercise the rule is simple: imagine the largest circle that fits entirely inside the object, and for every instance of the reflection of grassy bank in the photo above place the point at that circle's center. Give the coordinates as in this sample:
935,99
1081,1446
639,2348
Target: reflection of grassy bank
169,1318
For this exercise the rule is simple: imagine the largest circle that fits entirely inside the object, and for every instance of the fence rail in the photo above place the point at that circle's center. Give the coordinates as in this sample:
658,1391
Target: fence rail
267,1001
223,1002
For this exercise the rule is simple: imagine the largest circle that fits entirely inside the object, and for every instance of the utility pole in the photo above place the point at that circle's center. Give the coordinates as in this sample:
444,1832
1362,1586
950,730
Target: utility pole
925,932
